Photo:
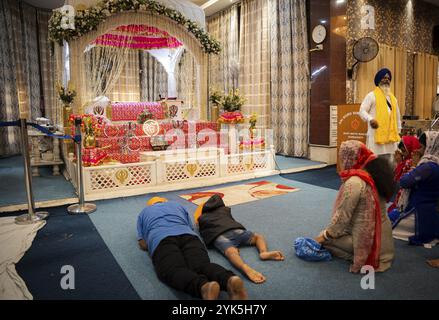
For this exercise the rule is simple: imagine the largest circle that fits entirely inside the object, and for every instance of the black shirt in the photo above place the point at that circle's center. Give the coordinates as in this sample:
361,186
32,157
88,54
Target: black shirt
216,219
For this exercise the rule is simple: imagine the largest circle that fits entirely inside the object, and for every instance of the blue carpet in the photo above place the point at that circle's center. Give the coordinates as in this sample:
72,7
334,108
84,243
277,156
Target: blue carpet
45,187
285,163
281,219
325,178
72,240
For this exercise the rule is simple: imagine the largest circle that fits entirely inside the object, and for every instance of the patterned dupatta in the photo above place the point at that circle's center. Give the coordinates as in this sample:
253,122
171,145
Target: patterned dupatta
431,153
355,156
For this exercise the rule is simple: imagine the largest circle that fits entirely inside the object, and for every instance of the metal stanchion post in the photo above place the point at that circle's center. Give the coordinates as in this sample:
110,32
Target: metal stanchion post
31,216
80,207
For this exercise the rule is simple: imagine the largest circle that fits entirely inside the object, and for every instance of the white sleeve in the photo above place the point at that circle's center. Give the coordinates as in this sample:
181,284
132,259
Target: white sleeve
365,108
398,117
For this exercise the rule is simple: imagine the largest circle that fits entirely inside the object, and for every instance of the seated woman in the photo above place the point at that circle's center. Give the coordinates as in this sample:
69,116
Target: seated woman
419,224
360,230
405,163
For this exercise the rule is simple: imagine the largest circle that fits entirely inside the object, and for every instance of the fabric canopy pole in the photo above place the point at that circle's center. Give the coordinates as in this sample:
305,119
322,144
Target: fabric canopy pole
77,47
426,68
290,78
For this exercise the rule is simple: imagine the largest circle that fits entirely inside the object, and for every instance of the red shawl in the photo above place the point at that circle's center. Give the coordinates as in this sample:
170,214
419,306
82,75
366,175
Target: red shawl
411,144
364,157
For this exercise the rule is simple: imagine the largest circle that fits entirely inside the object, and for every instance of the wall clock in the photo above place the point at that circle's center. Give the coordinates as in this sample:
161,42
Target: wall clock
319,34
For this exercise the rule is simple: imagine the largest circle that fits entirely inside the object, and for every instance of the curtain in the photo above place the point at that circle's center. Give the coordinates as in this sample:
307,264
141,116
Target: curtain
395,59
127,86
254,60
26,76
47,66
187,84
153,78
31,60
290,99
103,67
426,67
224,68
9,83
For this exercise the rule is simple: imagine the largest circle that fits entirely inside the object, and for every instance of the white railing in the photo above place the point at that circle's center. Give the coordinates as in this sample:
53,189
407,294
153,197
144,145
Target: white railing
174,172
119,178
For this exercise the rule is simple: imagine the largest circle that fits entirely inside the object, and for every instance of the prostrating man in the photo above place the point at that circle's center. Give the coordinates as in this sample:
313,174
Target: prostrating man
179,257
380,110
219,229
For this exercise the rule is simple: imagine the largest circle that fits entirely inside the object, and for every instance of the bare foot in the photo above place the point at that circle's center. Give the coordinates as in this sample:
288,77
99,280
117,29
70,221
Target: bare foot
236,290
272,255
253,275
433,263
210,290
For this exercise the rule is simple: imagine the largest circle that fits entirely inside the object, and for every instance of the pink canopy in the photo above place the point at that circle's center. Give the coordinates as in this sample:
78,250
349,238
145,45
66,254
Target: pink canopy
138,37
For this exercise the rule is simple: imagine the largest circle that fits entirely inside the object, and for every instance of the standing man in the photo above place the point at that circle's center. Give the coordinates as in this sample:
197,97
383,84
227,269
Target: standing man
179,257
380,110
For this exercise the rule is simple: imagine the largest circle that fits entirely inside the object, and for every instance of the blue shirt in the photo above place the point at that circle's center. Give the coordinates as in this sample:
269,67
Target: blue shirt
162,220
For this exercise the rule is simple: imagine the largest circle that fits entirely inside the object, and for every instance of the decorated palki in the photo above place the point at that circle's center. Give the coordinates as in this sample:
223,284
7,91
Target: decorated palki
144,116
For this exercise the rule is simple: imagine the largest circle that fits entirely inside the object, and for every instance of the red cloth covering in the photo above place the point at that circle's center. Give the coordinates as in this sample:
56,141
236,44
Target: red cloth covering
113,144
114,130
364,157
93,156
131,157
128,111
143,143
184,125
138,37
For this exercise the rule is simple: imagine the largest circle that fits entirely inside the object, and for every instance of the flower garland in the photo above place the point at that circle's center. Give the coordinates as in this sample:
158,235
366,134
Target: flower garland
89,19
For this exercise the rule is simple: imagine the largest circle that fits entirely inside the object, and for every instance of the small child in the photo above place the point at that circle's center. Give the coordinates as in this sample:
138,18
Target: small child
219,229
